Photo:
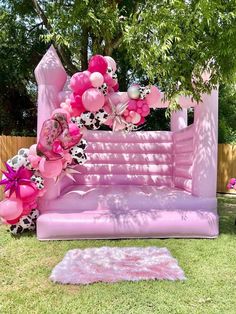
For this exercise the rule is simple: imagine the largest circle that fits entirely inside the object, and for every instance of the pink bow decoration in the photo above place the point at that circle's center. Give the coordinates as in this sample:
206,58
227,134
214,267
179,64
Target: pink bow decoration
56,137
118,122
14,178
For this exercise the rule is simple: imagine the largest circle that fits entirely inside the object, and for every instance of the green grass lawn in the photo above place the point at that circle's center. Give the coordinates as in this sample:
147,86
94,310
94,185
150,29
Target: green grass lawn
210,266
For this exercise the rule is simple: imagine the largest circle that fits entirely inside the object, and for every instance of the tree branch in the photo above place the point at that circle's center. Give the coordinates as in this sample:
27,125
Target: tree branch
35,26
62,51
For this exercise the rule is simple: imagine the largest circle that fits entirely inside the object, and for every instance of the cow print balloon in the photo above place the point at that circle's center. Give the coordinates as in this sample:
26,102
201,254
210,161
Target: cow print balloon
26,223
38,181
103,89
78,154
91,120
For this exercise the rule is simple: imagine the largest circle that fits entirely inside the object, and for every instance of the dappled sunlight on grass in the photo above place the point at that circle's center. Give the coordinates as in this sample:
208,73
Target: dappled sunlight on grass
209,265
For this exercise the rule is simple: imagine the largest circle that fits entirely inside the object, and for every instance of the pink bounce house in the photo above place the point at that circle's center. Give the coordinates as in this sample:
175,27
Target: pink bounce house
141,184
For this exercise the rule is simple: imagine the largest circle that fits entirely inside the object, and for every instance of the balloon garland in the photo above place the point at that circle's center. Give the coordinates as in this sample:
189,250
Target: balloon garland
93,100
231,184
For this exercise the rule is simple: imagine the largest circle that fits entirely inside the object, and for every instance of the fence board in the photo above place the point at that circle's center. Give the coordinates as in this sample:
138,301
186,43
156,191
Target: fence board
9,145
226,166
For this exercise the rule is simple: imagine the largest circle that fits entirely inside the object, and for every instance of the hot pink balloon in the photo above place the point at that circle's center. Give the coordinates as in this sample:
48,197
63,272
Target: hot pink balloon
109,80
93,99
98,64
132,104
154,97
11,208
116,87
28,193
96,79
111,63
50,169
75,100
80,82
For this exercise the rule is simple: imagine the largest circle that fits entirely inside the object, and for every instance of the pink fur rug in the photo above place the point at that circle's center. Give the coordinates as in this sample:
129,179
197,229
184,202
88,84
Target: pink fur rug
113,264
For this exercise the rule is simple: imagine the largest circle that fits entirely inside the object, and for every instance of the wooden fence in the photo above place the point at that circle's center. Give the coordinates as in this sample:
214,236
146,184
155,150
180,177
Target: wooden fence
9,145
226,166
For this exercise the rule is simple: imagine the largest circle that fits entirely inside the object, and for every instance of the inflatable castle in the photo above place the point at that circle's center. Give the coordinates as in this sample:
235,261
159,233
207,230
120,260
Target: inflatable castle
134,184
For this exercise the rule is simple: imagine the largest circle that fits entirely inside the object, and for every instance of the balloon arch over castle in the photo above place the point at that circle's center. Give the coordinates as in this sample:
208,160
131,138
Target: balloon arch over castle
86,183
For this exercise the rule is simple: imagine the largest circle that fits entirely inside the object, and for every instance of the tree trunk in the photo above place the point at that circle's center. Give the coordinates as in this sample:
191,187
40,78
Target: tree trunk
84,49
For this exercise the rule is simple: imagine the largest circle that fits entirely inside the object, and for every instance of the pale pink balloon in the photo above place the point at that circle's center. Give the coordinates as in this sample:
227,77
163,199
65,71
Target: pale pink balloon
11,209
154,97
34,160
50,169
63,95
107,107
111,63
96,79
33,150
136,118
119,97
93,99
132,114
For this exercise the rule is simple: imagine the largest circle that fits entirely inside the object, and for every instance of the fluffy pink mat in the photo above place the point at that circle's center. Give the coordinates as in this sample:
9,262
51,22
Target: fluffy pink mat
113,264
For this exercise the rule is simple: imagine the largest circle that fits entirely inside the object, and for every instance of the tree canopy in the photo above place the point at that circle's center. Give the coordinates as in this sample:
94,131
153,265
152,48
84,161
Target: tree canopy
169,43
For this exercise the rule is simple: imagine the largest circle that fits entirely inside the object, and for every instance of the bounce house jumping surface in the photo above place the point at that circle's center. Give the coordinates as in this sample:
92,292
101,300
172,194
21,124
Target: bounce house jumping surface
140,184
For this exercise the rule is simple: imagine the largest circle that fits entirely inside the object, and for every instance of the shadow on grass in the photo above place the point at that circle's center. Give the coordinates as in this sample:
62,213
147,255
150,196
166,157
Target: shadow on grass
27,234
227,212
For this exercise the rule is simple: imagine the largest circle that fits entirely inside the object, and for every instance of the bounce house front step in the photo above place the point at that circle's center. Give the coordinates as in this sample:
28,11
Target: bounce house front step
132,224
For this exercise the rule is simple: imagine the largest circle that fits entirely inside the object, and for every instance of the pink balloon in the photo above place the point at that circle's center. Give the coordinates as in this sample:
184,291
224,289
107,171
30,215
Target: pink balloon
63,95
11,209
153,98
119,97
33,150
73,129
28,193
128,119
141,121
93,99
136,118
132,113
109,80
96,79
145,112
80,82
116,87
111,63
50,169
98,64
132,104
